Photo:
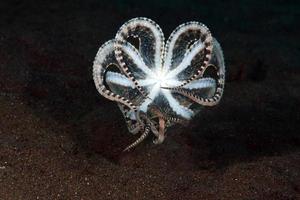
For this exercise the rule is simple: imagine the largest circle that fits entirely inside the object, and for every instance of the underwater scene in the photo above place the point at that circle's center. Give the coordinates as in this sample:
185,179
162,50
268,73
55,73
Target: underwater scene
152,99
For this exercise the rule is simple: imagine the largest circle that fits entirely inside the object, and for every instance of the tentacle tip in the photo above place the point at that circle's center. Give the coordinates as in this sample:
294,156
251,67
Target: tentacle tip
125,150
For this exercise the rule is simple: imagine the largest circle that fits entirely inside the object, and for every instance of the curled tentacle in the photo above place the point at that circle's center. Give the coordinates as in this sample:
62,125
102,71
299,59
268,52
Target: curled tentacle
217,62
134,128
161,135
130,117
151,39
210,101
130,61
161,124
200,100
104,58
159,114
142,119
190,44
143,62
139,140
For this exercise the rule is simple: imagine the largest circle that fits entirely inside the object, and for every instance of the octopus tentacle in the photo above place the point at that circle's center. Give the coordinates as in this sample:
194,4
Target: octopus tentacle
176,120
161,133
195,49
177,107
150,36
142,119
159,114
128,57
139,140
179,45
152,95
118,79
201,83
104,58
216,60
132,124
122,80
211,101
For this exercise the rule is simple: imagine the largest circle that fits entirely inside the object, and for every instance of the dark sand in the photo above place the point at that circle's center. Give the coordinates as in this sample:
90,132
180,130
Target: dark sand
59,139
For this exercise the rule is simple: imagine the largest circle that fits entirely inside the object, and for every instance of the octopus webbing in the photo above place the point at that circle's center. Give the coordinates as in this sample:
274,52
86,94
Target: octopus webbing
158,84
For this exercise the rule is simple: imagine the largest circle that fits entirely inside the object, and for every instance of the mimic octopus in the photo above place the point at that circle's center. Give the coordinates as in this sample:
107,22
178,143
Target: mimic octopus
158,84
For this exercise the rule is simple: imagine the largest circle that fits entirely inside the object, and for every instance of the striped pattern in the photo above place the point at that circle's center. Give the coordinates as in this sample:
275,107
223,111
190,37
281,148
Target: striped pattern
153,70
212,101
139,140
186,34
150,34
103,58
119,53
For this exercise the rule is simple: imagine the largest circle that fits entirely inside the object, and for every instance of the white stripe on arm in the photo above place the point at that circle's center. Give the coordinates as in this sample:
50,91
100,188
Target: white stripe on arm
198,46
176,107
118,79
201,83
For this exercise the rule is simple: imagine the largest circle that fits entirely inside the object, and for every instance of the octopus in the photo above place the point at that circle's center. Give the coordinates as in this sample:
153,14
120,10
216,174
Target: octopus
158,84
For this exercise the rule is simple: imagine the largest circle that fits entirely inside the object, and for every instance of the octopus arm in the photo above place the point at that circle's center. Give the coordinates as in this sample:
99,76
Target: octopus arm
176,107
104,58
196,48
151,39
201,83
185,36
118,79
